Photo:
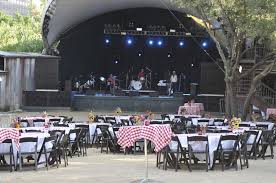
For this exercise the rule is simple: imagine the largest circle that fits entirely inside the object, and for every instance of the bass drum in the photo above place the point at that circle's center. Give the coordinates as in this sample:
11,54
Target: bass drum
137,85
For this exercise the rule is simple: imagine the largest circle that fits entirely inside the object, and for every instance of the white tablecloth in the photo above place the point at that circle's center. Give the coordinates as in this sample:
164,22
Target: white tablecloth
26,147
209,121
254,124
173,116
213,139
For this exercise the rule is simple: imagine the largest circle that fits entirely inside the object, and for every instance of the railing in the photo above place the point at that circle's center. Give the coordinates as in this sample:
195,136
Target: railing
267,94
256,53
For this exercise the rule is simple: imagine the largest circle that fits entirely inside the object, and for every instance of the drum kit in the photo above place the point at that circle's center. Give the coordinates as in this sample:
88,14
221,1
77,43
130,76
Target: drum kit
137,85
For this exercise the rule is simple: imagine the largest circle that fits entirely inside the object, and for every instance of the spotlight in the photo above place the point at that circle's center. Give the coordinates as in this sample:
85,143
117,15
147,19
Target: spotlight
160,43
107,41
150,42
129,41
205,44
169,55
181,43
116,61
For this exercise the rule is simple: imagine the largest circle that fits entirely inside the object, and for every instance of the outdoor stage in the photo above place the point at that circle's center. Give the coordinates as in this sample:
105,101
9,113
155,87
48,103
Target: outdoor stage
161,104
126,103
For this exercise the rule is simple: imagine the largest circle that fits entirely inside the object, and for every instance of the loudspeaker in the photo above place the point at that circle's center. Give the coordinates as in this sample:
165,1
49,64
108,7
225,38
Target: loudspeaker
154,94
68,86
134,93
178,94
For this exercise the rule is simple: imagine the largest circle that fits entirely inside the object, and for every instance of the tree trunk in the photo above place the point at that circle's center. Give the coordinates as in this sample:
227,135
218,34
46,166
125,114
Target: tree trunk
230,100
247,103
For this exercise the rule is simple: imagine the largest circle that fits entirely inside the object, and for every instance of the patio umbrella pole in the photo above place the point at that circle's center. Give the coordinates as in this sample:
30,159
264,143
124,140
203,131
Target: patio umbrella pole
146,161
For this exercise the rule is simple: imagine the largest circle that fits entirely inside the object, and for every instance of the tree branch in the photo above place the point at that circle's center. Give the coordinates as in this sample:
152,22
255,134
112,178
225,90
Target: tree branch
259,64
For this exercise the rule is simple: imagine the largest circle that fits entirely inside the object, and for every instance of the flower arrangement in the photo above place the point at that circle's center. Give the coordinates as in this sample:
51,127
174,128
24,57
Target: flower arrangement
138,119
118,111
235,123
150,115
44,114
91,117
15,123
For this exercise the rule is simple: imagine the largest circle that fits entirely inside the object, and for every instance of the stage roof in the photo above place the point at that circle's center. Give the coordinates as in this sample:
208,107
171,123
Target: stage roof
62,15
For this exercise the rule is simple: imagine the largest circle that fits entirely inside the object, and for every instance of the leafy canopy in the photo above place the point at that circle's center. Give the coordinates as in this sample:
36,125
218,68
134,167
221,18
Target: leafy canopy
252,18
21,33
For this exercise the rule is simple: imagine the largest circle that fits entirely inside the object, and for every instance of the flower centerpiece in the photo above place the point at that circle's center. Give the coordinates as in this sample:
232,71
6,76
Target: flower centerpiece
235,123
91,117
44,114
15,123
118,111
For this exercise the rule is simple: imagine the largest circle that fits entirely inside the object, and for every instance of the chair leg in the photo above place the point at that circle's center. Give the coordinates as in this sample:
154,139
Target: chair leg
271,150
157,159
222,161
46,159
176,160
36,161
207,161
11,162
190,158
20,160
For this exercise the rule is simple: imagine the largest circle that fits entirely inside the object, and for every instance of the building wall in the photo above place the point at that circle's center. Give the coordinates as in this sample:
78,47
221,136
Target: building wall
15,6
18,76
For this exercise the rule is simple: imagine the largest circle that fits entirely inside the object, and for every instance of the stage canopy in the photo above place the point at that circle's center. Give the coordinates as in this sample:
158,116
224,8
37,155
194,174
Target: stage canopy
62,15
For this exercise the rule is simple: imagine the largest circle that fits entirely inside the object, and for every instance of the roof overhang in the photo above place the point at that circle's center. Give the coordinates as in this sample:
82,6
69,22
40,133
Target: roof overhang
61,15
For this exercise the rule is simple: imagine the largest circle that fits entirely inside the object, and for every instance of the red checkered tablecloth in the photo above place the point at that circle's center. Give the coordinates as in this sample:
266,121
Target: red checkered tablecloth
9,133
160,135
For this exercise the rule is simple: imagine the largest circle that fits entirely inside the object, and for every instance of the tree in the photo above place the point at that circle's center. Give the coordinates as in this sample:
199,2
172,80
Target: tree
21,33
238,20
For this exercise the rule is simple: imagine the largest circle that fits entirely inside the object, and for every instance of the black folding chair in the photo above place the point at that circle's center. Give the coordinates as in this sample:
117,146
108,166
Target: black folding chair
265,142
34,152
231,153
10,153
192,152
177,156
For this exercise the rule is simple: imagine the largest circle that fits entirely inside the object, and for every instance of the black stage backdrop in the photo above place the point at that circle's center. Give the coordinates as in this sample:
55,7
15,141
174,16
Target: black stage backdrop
83,49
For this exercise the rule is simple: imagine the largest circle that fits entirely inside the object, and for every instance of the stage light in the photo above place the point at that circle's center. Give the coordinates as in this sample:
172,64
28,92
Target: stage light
107,41
204,44
116,61
169,55
181,43
129,41
150,42
160,43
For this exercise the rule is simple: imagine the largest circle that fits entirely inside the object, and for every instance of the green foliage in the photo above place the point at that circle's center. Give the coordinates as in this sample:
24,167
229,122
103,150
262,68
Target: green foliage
252,18
20,33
